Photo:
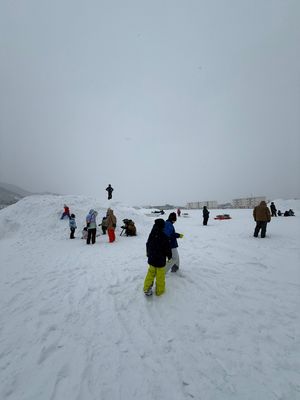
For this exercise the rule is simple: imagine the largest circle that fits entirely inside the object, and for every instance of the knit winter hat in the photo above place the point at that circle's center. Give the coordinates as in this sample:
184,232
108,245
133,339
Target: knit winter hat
172,217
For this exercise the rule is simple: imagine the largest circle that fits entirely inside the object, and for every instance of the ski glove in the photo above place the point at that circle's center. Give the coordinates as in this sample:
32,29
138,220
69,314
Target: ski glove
181,235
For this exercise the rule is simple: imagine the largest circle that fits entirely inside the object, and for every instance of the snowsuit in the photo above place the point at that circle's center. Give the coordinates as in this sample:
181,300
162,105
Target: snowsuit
158,249
262,216
169,230
73,226
91,226
66,212
109,190
205,215
111,222
273,209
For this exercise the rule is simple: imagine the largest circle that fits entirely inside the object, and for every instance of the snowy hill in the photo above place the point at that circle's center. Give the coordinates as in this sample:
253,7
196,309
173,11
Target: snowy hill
76,325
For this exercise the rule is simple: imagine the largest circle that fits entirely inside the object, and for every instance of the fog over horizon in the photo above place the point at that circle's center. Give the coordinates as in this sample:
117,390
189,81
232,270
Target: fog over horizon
169,102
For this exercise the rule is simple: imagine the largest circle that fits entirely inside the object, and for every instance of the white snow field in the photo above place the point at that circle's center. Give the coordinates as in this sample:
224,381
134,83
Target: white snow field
75,324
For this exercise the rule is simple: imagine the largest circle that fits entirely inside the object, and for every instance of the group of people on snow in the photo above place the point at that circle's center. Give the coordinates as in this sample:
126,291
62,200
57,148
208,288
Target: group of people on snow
288,213
262,216
162,245
108,224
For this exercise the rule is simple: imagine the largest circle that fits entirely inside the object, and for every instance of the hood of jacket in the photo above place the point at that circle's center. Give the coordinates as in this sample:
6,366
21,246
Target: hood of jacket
93,212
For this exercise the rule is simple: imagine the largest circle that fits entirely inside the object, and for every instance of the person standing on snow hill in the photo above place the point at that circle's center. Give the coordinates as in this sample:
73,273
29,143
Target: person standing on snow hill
91,226
111,222
273,209
169,230
66,212
158,249
109,190
205,215
262,216
72,225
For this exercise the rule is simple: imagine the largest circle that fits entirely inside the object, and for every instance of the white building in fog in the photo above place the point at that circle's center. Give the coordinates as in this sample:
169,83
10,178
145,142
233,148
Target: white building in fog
201,204
247,202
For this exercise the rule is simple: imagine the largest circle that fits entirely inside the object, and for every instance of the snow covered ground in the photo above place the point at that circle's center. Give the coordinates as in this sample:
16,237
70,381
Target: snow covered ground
75,324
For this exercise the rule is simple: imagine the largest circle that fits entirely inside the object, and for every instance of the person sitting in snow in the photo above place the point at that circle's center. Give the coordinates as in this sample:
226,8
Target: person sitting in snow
289,213
128,227
72,225
66,212
158,250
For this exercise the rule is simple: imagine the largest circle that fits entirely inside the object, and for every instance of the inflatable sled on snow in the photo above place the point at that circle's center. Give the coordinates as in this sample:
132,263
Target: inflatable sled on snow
223,216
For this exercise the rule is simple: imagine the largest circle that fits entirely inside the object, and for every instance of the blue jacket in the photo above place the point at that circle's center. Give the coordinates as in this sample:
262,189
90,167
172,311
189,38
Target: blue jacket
169,230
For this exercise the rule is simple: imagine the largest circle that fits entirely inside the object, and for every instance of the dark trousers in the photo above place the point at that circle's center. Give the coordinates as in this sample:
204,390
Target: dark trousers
274,214
260,225
72,233
205,219
91,235
64,214
109,196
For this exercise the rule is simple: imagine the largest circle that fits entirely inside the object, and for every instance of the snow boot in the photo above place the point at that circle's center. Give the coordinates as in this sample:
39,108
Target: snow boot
149,292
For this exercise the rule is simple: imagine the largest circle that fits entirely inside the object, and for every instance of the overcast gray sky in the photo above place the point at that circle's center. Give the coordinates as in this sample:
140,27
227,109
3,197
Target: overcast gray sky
169,101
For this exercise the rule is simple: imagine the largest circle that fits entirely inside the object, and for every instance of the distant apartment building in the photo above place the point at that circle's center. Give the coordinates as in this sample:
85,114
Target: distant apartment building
247,202
200,204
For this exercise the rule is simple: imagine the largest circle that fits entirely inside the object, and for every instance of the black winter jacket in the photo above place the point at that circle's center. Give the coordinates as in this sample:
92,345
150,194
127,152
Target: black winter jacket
158,248
205,213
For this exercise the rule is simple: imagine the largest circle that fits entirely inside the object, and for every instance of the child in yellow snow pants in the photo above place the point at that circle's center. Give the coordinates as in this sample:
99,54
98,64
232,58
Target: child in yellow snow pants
159,274
158,250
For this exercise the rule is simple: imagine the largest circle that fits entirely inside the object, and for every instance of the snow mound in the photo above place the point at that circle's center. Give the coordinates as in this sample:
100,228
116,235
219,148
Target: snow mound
38,216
